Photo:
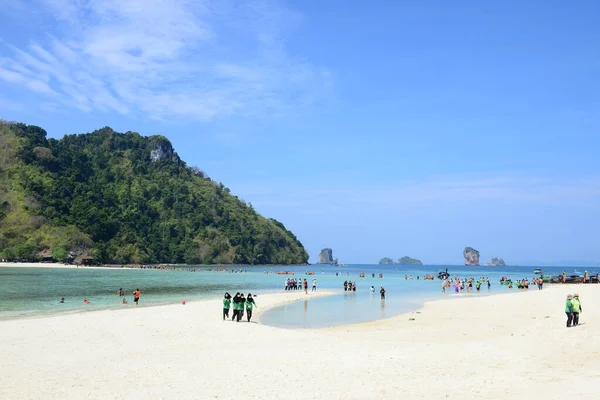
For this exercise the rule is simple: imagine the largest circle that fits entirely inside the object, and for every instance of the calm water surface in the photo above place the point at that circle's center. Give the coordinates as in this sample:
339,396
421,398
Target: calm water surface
34,291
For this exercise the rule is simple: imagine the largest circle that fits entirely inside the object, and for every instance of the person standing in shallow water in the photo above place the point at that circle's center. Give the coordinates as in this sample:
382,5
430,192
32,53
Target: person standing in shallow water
314,284
569,310
250,304
576,308
136,296
382,293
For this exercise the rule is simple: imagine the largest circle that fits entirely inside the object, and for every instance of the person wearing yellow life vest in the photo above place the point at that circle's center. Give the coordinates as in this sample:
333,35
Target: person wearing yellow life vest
576,308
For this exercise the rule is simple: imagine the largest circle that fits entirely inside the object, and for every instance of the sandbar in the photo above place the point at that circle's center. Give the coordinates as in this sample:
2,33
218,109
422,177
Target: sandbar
509,346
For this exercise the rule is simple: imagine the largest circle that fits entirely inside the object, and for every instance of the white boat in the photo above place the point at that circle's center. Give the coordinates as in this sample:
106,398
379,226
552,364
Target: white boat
537,271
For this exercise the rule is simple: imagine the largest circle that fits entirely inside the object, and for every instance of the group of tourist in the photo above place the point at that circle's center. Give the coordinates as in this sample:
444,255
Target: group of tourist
349,286
299,284
239,303
572,309
465,284
136,297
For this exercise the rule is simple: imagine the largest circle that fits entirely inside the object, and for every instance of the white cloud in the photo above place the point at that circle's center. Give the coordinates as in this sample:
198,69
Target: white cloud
167,59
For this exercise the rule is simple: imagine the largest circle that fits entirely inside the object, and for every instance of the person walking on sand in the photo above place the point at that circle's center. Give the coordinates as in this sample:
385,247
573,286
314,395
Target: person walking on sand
314,285
382,293
136,296
241,309
226,305
576,308
250,304
305,286
236,306
569,310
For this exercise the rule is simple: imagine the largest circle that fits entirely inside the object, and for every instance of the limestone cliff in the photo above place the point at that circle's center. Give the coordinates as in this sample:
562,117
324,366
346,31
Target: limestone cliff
471,256
326,257
498,262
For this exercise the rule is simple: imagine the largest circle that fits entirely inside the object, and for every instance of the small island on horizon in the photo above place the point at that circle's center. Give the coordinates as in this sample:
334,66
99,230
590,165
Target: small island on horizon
401,261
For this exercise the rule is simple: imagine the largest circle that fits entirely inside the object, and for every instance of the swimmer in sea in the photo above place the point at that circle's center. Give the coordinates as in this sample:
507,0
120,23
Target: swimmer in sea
86,301
62,300
124,301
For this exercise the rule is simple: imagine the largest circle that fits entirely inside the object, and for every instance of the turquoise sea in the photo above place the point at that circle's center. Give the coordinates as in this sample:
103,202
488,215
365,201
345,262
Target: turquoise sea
37,291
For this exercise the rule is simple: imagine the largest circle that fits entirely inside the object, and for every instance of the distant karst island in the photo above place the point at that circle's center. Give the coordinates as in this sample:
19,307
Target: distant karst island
326,257
472,258
401,261
496,262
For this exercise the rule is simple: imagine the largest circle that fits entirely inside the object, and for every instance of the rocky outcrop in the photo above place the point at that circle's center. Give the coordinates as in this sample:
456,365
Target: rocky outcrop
498,262
471,256
386,261
326,257
406,260
162,149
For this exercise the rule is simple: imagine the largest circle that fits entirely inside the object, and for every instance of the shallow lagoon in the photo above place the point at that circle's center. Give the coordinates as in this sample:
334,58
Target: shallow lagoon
37,291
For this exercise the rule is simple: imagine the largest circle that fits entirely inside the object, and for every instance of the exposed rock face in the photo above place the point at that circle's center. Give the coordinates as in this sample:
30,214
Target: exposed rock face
471,256
162,149
498,262
326,257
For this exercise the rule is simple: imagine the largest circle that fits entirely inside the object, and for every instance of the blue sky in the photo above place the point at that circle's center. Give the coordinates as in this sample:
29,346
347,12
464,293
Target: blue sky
383,128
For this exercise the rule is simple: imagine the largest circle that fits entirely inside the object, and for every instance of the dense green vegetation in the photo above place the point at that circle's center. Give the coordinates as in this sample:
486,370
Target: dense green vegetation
124,198
401,261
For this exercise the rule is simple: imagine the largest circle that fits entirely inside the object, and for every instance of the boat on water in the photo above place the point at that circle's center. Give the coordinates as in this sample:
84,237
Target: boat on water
442,275
537,271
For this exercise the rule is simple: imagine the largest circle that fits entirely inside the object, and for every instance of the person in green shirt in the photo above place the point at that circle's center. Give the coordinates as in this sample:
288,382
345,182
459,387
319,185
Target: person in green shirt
576,309
236,307
250,304
569,310
226,305
241,305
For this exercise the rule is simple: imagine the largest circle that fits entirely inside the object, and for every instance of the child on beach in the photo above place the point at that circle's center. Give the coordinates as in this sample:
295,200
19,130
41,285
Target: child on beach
250,304
226,305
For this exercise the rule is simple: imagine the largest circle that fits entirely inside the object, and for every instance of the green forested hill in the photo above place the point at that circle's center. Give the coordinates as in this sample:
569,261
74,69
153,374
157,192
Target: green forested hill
124,198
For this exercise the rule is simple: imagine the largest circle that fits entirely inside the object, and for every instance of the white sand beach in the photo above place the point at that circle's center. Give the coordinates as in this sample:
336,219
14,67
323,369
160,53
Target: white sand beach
511,346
